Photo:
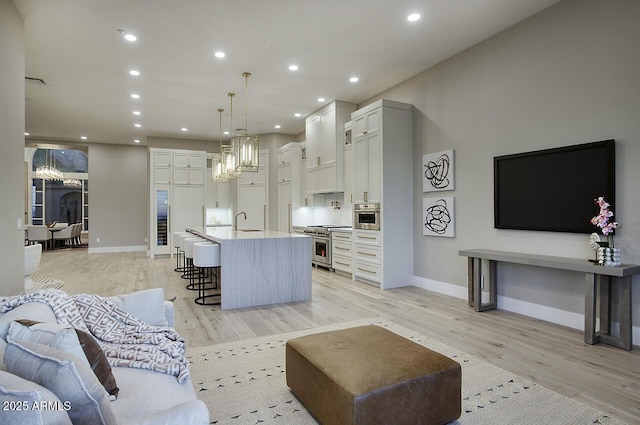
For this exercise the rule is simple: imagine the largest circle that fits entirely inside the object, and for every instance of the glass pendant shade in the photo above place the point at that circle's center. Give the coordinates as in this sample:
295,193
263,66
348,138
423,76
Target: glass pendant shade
217,170
217,167
246,152
228,162
246,146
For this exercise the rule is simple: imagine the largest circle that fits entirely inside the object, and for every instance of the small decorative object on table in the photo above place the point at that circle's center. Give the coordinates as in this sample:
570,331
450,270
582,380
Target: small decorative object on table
608,255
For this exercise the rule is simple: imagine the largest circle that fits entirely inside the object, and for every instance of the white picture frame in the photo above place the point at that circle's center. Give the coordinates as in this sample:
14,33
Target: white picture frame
438,217
438,171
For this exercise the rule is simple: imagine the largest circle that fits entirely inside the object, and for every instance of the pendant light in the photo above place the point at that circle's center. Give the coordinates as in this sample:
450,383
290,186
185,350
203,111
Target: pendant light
217,171
228,151
246,146
48,170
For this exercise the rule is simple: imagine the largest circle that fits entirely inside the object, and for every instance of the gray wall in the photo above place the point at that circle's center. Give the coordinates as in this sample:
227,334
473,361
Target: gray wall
118,197
565,76
12,70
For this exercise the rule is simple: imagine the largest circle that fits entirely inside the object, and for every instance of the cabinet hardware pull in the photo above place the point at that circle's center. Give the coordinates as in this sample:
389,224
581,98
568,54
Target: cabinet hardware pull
341,248
367,237
365,195
318,161
366,253
342,264
365,270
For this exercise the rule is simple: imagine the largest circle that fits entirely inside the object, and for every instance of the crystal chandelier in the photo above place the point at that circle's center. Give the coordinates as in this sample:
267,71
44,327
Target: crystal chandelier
246,147
227,152
217,169
48,171
73,183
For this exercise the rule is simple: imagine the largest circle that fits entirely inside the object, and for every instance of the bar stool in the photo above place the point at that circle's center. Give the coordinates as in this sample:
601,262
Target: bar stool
206,256
176,245
190,271
182,238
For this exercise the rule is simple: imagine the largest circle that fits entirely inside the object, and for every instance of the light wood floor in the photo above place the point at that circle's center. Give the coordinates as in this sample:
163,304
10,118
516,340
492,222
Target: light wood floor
600,376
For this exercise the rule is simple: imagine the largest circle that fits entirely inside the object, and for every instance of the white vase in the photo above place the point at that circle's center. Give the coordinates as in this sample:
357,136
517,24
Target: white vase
609,257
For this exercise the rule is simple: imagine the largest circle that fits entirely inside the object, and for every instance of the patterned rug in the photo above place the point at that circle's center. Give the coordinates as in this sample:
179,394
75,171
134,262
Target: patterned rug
244,383
43,282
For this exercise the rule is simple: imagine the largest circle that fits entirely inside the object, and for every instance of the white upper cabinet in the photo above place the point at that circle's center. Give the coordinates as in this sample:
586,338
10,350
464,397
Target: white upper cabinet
189,168
325,147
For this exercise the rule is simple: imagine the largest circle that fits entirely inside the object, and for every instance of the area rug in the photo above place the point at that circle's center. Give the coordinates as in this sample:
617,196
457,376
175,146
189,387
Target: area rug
43,282
244,383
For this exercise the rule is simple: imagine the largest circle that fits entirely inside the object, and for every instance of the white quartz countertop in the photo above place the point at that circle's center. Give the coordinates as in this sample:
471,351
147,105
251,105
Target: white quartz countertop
219,234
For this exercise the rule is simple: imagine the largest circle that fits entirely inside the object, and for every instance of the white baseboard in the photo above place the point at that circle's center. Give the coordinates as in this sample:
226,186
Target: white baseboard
112,249
538,311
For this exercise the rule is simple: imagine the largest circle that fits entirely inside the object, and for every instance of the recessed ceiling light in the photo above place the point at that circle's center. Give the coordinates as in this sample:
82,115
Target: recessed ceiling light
226,132
297,115
277,126
413,17
136,112
136,141
354,79
27,134
137,125
184,129
83,137
219,55
135,96
134,72
321,99
293,67
130,37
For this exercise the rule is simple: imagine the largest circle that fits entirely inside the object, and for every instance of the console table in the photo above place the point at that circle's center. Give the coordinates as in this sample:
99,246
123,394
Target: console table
598,282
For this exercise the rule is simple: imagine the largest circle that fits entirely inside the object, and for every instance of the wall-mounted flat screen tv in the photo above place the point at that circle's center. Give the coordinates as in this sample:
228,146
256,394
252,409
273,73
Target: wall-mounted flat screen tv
554,189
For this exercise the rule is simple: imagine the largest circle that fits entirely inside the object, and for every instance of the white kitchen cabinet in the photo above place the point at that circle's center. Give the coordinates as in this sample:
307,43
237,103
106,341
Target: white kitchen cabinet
348,164
382,173
189,168
289,183
217,193
341,250
253,196
325,148
284,206
177,195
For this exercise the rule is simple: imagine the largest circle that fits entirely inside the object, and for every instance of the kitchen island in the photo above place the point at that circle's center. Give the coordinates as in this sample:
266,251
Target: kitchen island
261,267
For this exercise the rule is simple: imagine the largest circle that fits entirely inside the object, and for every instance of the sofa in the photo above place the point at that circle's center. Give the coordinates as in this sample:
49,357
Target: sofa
46,393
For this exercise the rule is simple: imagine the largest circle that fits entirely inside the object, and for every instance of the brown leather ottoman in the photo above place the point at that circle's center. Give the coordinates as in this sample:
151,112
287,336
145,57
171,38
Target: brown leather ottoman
368,375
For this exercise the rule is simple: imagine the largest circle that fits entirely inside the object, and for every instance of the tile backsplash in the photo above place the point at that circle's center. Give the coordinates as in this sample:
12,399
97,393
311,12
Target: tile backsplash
327,209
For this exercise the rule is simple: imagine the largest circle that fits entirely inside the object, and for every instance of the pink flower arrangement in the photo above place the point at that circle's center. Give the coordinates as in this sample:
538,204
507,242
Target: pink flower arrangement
602,219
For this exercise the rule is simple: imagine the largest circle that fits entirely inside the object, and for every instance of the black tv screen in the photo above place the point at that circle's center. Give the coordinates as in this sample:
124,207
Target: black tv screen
554,189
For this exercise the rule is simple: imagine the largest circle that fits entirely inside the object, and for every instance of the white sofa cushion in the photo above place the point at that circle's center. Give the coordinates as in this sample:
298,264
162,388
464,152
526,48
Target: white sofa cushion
161,392
68,380
147,305
25,402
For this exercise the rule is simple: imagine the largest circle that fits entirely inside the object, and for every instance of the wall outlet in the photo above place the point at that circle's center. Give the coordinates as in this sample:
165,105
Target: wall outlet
19,224
97,240
146,240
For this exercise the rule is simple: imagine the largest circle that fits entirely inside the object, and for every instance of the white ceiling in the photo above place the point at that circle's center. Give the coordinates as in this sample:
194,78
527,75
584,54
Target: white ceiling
75,47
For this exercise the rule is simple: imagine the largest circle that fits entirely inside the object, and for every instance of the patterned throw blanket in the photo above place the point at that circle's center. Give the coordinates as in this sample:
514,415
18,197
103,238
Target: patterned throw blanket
125,339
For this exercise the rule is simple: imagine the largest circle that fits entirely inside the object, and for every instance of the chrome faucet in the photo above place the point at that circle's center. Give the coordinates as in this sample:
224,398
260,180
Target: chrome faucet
235,219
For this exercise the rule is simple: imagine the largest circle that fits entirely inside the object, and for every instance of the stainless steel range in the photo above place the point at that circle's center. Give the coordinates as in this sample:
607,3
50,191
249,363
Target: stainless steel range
320,242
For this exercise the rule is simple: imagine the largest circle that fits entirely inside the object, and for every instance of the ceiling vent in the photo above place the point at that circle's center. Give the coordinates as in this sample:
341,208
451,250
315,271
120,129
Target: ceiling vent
35,80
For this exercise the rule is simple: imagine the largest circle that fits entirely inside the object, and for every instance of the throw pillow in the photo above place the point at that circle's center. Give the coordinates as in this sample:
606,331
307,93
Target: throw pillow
147,305
73,341
70,381
54,335
25,402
